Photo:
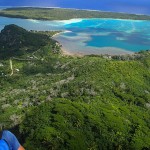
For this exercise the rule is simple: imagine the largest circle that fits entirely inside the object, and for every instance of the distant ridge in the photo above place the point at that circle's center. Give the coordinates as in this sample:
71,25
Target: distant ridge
5,7
53,13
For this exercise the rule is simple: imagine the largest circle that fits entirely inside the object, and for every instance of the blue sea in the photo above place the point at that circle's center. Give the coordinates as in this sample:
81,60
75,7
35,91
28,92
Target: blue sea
93,36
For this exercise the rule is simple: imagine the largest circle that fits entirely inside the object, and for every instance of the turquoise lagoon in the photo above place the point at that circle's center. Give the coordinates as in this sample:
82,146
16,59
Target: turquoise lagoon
93,36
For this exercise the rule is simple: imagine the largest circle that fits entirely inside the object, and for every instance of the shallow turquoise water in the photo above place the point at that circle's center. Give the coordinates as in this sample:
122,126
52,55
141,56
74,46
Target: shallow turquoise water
93,36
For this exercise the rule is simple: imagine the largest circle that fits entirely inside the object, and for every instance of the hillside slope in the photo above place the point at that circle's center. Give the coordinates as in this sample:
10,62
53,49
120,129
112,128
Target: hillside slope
77,103
16,41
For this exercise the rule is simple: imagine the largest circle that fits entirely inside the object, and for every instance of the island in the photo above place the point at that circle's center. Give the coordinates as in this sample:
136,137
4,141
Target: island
55,101
64,14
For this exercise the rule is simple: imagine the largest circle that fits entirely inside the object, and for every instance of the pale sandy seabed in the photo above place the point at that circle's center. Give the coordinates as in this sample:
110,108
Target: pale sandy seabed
102,51
78,48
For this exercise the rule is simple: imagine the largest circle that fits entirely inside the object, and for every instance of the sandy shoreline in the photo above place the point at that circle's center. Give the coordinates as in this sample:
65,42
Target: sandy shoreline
110,52
60,33
68,53
64,51
77,47
56,34
87,50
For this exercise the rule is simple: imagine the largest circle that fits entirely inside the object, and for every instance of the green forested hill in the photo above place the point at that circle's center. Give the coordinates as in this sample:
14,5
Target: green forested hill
57,102
15,41
64,14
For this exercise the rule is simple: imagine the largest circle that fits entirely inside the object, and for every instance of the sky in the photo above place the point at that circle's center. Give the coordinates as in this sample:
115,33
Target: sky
128,6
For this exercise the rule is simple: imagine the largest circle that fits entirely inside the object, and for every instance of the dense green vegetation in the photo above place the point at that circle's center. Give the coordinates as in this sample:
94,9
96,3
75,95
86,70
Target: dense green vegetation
65,14
15,41
91,102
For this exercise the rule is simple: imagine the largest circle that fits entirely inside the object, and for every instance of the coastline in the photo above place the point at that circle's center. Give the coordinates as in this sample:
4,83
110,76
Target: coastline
65,31
75,51
68,49
98,14
71,8
111,51
115,52
56,34
64,51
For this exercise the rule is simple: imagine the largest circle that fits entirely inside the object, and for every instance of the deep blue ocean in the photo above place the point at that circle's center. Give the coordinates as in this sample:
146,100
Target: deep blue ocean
93,36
